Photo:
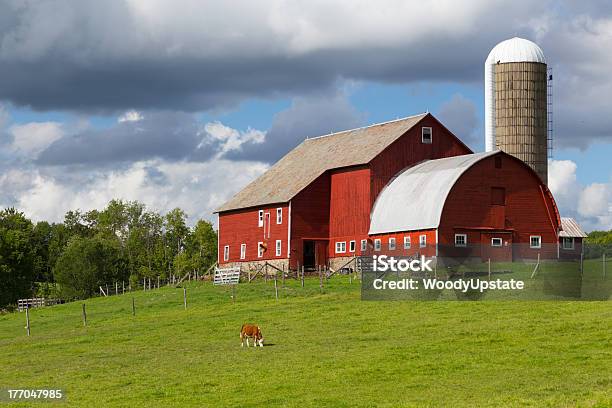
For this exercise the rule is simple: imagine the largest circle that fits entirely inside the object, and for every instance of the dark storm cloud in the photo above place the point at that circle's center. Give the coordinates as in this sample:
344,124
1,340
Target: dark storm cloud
92,56
117,55
166,135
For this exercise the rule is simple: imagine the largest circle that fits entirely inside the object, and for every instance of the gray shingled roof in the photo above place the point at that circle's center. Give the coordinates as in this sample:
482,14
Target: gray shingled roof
570,228
301,166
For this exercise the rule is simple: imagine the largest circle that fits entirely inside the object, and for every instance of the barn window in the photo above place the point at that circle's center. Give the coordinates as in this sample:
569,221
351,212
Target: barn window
426,135
377,245
279,215
535,241
407,242
278,247
260,249
352,246
242,251
567,243
260,218
422,241
226,253
498,162
391,244
496,242
340,247
460,240
267,225
364,245
498,196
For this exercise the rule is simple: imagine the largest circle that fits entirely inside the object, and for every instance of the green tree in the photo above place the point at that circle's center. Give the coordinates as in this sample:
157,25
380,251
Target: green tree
86,264
203,245
17,256
176,233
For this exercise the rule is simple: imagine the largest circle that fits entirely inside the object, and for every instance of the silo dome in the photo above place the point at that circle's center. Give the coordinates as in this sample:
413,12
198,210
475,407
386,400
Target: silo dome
516,50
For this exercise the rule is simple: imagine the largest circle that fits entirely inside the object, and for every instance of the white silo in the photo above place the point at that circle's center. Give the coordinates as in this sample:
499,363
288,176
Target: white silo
516,102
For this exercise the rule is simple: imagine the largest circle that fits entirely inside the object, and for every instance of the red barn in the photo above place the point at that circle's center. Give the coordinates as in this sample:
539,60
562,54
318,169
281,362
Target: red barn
408,184
314,204
485,205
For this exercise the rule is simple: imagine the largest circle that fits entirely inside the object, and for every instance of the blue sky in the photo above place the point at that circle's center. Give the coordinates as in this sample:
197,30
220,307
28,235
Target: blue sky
184,104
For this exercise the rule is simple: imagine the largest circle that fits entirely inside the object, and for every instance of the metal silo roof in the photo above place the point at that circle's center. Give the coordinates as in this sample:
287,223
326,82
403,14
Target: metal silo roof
413,200
516,50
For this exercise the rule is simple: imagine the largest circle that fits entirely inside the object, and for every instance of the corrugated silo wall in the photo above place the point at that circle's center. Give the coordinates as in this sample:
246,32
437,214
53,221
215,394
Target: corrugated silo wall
521,113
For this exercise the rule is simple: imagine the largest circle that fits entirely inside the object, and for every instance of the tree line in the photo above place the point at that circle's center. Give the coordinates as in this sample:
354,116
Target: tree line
123,242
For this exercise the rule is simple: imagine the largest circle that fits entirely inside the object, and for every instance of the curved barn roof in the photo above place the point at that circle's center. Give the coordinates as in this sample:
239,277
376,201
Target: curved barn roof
413,200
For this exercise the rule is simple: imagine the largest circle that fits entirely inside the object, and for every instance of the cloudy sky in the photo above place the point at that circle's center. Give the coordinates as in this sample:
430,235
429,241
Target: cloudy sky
182,103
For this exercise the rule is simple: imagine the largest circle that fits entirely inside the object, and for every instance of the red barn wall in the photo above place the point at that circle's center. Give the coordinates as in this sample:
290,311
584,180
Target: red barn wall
571,253
349,211
310,216
241,227
415,249
408,150
527,211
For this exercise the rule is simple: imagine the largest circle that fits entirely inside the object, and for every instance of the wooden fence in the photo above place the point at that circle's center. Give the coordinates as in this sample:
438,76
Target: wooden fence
23,304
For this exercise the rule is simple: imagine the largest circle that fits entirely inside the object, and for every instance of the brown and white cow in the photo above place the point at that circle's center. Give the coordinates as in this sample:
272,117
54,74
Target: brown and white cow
251,331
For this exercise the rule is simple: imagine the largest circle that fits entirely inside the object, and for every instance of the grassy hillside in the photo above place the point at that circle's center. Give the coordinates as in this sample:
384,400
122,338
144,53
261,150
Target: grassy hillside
327,349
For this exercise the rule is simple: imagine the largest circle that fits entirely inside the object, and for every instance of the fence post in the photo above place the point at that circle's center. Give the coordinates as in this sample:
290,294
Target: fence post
283,278
107,292
604,265
144,283
116,288
84,316
157,281
275,287
489,262
302,276
581,265
133,307
266,272
123,287
320,279
28,318
185,297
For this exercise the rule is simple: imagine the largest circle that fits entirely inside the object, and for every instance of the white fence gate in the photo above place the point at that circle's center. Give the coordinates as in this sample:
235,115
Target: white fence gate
226,276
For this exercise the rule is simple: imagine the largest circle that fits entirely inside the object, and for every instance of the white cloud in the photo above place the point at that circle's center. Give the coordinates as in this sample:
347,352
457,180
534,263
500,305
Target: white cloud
595,203
32,138
230,139
130,116
197,188
591,204
563,183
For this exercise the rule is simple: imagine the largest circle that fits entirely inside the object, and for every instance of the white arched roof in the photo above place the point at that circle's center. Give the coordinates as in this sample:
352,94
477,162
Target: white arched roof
414,199
516,50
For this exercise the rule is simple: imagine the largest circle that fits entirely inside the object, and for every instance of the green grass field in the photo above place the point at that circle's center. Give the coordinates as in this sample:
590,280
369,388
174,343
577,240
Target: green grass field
329,349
